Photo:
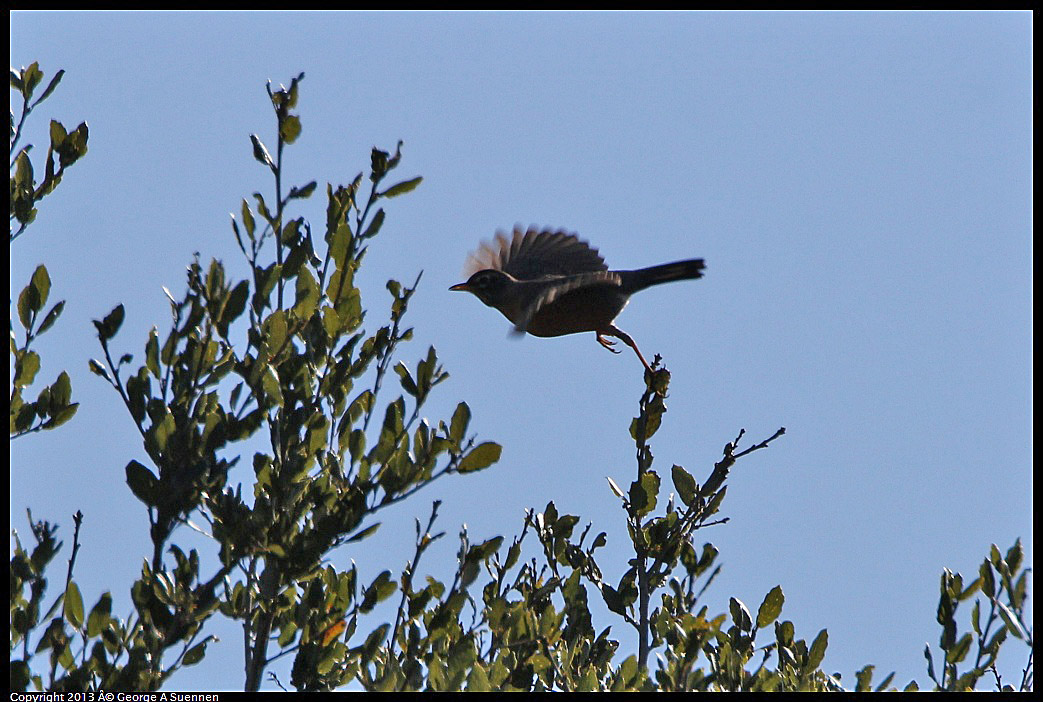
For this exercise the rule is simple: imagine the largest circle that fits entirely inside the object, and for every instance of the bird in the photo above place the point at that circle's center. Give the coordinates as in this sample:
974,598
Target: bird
551,283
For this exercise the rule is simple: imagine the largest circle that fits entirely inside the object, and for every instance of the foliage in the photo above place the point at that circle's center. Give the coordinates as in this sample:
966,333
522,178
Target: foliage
69,147
282,359
52,406
1003,584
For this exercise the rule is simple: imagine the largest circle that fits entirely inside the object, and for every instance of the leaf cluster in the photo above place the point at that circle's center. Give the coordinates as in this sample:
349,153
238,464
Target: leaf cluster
52,406
67,146
1002,584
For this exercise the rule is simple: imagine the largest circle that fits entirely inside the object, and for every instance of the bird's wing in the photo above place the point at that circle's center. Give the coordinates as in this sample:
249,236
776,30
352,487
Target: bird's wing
550,290
533,254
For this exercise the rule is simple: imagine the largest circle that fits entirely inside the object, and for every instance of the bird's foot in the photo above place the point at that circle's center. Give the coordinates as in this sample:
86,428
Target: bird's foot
625,338
607,344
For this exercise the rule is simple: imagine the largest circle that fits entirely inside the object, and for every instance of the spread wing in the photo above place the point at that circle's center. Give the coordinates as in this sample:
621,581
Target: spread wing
535,253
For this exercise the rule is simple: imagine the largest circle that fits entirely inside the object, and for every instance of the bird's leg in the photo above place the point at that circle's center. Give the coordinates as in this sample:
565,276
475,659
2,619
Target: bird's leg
606,343
612,330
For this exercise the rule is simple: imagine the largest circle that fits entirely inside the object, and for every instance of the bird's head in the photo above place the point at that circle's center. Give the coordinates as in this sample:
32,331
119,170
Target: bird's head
489,285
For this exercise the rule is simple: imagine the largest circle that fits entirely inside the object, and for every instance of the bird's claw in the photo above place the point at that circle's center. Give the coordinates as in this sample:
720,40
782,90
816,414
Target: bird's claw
608,344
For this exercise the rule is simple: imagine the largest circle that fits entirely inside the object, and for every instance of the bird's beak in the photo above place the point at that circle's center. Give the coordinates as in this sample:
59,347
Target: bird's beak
461,286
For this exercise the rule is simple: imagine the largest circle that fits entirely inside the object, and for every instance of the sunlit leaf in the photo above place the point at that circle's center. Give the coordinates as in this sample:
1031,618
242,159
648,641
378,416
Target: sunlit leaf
403,187
481,456
771,607
687,488
73,605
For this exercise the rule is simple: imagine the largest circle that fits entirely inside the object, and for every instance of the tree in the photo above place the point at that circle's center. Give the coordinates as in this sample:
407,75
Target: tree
310,379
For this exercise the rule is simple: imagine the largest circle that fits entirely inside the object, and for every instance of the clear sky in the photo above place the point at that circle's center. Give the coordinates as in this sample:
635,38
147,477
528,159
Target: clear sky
859,185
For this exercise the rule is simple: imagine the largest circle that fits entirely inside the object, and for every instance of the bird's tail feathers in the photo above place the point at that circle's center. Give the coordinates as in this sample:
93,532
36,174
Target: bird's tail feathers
665,273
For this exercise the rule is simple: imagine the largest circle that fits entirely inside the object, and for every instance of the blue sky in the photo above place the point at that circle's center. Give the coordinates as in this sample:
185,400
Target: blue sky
859,185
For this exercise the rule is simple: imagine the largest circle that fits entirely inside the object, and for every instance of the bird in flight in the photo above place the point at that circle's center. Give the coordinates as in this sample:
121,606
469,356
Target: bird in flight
550,283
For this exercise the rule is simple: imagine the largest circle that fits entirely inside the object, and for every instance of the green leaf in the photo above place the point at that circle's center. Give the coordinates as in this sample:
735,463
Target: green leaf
61,391
1014,557
70,146
714,502
378,164
364,534
644,493
970,590
381,588
51,317
996,557
290,128
248,219
1019,590
403,187
58,133
740,614
261,153
886,682
478,680
108,327
988,579
687,488
612,598
276,329
61,416
27,366
1010,619
303,192
42,282
307,294
31,78
100,616
653,419
374,225
28,304
195,654
235,305
959,651
818,649
864,678
481,456
771,607
373,641
458,425
73,605
408,384
317,433
163,430
152,353
270,383
142,482
50,87
97,369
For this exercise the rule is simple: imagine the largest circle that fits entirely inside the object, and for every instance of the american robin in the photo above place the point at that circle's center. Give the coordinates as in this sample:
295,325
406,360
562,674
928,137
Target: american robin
549,283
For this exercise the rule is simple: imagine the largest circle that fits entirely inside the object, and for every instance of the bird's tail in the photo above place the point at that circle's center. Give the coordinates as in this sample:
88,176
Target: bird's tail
665,273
